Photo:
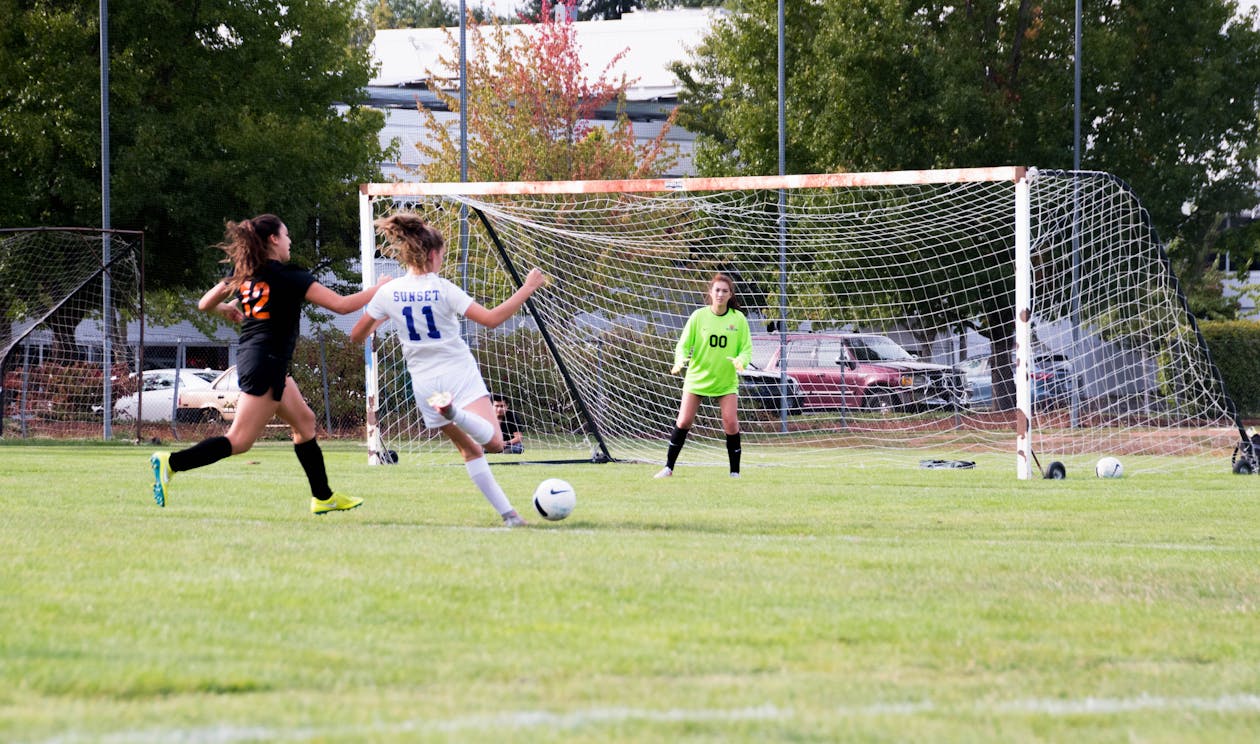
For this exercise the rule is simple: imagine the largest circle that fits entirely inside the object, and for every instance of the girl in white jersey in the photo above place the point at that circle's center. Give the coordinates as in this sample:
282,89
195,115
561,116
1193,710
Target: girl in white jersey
426,310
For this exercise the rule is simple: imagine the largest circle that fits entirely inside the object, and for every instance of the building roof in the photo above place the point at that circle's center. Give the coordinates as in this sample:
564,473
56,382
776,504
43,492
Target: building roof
651,40
407,58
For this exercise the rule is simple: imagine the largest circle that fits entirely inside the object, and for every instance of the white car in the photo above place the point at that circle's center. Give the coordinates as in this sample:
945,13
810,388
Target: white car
214,403
159,392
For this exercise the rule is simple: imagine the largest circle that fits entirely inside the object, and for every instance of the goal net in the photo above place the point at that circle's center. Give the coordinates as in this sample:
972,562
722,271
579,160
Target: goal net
912,316
67,297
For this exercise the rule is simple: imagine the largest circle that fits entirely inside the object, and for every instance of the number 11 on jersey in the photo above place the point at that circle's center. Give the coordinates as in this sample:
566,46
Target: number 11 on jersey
427,312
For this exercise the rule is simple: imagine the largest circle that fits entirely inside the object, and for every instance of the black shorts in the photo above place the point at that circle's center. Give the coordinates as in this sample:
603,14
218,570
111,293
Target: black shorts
261,372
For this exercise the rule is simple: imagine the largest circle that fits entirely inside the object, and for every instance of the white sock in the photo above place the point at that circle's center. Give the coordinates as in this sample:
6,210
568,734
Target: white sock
479,429
479,471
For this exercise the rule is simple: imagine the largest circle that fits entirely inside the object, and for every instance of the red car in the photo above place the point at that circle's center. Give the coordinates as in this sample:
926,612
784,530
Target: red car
861,370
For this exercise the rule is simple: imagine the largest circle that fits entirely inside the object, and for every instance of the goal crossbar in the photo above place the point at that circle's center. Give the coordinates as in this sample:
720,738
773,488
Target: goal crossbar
733,183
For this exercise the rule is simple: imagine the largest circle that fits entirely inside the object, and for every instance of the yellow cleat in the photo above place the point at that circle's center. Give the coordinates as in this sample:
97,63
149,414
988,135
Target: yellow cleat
161,464
336,502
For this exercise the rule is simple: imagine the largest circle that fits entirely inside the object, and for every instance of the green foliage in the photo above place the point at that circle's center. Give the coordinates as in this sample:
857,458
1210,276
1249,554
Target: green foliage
1235,347
1170,94
590,10
330,356
419,13
60,391
218,110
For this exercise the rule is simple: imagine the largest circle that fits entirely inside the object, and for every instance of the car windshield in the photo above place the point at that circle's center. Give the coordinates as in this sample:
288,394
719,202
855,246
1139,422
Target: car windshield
208,375
878,349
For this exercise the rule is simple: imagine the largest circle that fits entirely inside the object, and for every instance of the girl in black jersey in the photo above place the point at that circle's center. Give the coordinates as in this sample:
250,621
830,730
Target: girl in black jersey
270,294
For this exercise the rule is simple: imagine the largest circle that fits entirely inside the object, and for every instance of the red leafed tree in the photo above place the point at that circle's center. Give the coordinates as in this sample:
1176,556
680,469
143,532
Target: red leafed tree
531,111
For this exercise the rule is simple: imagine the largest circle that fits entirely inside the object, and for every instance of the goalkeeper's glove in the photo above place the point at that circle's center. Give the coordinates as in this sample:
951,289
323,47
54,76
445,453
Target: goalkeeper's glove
739,365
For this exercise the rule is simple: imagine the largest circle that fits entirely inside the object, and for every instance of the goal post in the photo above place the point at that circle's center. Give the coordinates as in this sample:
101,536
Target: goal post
927,314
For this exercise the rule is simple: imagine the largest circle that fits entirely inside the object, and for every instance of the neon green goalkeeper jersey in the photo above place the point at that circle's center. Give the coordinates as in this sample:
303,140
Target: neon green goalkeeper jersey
711,341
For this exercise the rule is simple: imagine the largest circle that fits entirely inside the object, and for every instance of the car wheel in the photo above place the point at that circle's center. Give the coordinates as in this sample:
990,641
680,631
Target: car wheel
879,400
211,416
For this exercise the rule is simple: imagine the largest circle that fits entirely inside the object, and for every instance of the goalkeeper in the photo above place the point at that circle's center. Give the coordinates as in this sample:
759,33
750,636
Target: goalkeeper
715,346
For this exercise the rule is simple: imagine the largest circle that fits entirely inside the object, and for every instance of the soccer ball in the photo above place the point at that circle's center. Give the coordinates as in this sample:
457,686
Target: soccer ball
1109,467
554,499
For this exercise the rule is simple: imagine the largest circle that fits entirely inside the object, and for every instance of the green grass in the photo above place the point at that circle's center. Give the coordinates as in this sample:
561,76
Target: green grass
879,603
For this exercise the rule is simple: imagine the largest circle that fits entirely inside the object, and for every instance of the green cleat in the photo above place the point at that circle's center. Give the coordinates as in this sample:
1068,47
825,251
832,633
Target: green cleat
336,502
161,464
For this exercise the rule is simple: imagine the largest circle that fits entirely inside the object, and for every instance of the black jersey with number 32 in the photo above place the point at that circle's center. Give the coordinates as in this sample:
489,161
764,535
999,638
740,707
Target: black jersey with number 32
272,303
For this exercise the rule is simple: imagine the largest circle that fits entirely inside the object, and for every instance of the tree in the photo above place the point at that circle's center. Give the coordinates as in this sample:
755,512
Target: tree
531,107
611,10
1169,103
418,14
218,110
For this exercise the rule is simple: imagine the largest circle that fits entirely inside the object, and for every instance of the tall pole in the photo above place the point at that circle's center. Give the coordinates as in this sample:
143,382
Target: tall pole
1076,91
107,320
463,149
783,397
1076,217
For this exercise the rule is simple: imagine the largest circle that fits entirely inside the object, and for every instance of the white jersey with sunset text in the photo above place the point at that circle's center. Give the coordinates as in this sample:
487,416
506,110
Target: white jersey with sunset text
426,310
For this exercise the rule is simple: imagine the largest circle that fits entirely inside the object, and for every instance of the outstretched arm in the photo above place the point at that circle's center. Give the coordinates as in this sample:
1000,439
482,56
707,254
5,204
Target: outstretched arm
320,295
498,315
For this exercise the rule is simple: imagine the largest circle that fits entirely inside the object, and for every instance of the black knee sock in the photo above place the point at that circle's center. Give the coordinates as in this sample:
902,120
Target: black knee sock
312,459
205,452
733,451
676,441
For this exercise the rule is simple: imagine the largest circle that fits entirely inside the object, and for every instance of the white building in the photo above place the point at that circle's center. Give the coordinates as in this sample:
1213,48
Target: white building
408,59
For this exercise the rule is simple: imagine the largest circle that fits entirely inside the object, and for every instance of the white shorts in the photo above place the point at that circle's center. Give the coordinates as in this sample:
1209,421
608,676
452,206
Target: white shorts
465,384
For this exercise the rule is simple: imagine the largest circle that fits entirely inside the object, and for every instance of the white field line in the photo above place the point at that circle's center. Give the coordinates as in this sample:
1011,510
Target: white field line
1247,703
764,538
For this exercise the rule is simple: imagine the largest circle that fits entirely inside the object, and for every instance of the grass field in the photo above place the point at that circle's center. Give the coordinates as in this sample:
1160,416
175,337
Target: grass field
881,603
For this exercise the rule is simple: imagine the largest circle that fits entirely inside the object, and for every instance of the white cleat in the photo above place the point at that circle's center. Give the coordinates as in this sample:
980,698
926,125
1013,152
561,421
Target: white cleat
664,473
441,402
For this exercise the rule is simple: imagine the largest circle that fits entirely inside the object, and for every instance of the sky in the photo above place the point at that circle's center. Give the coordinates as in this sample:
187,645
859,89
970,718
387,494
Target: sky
504,7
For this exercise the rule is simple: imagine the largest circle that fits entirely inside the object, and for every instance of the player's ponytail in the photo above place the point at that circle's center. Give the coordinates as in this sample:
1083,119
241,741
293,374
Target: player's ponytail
411,240
246,243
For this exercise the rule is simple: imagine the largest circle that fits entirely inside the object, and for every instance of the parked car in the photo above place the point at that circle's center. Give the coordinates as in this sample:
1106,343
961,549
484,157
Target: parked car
158,387
214,403
860,370
979,381
763,390
1052,378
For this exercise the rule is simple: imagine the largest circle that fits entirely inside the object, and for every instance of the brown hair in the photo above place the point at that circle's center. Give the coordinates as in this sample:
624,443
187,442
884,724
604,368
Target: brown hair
247,244
411,240
733,301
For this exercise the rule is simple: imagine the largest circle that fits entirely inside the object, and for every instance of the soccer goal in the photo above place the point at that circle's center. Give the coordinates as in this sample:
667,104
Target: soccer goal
67,296
911,315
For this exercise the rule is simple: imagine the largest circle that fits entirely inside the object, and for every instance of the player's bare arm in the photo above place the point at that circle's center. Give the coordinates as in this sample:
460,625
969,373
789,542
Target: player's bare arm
498,315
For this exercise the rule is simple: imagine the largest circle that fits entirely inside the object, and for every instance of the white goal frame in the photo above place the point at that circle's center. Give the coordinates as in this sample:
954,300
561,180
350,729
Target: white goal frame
1021,313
